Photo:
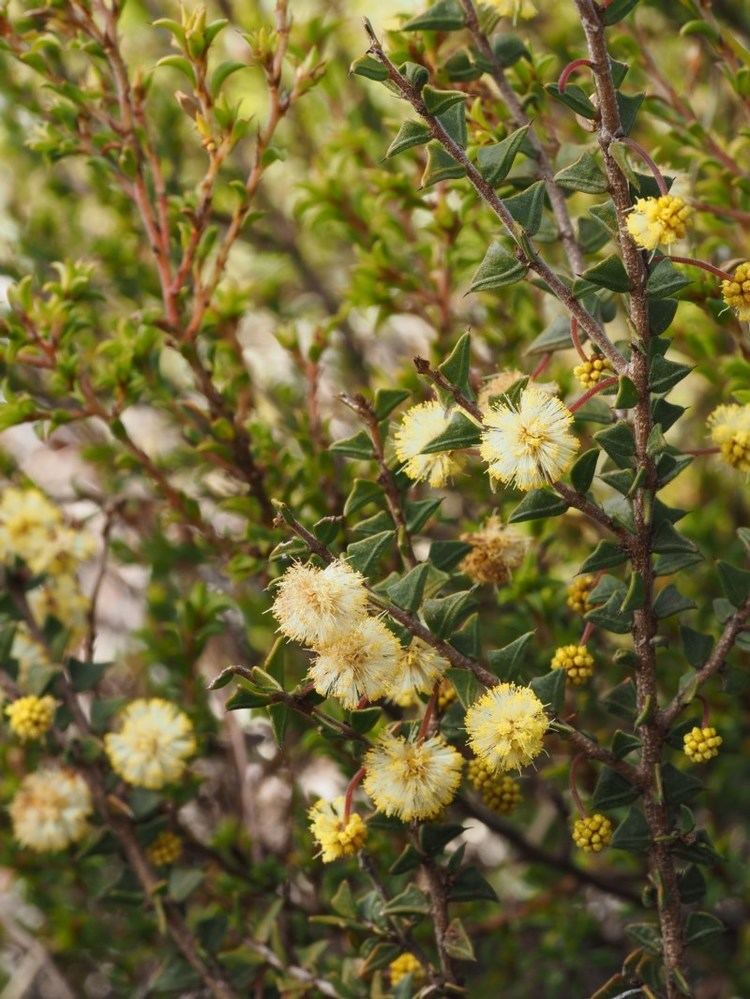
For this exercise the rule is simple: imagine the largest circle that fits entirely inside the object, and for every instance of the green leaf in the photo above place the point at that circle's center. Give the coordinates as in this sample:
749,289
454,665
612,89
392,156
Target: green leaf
471,886
342,901
466,686
679,788
627,394
222,73
701,926
620,701
537,504
632,833
419,512
446,555
444,615
610,616
363,492
411,900
608,273
583,471
498,269
457,365
646,935
453,120
583,175
183,881
371,69
618,442
664,374
438,101
575,98
604,556
550,689
618,10
505,662
86,675
624,743
697,646
612,791
461,432
364,719
15,412
526,207
692,885
434,837
364,555
179,63
408,591
440,166
386,401
556,336
670,601
457,942
629,105
244,697
665,280
508,49
734,582
358,446
635,598
494,162
411,133
279,715
445,15
408,860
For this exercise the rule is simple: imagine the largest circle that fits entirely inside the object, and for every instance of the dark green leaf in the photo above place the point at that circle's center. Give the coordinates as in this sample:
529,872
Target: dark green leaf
497,269
411,133
536,504
624,743
575,98
358,446
433,836
505,662
608,273
556,336
407,592
670,601
526,207
701,926
550,689
446,555
495,161
583,175
363,492
443,615
618,10
610,616
364,719
471,886
734,582
461,432
612,791
583,471
364,555
692,885
665,281
618,442
665,374
445,15
629,105
408,901
679,788
632,833
457,365
438,101
697,646
604,556
440,166
371,69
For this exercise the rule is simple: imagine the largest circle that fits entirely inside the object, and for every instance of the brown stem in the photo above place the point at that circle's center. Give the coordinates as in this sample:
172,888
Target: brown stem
429,713
577,760
577,340
546,358
439,908
703,264
438,378
599,387
351,787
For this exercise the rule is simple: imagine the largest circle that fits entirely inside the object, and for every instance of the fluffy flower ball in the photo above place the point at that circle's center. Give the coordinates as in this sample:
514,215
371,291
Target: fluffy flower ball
506,727
166,849
591,372
356,663
153,744
498,791
578,594
32,529
313,605
655,221
593,833
31,717
50,810
701,744
736,293
496,551
420,425
577,662
730,430
418,668
412,780
335,837
403,965
532,445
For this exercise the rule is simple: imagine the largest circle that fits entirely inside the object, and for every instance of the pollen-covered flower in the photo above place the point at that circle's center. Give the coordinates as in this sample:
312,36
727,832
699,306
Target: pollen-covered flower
420,425
730,429
313,605
31,717
655,221
496,551
701,744
50,809
403,965
577,662
736,293
593,833
578,594
166,849
506,726
532,445
153,743
591,372
336,838
499,791
412,780
417,669
358,662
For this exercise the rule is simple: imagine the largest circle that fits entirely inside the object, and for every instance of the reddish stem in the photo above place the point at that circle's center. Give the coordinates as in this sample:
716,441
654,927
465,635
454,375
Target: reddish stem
574,785
571,68
638,148
587,633
546,358
698,452
577,340
429,711
351,788
703,266
706,710
599,387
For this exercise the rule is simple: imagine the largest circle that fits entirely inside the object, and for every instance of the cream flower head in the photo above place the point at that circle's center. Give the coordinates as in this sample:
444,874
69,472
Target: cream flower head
50,809
418,667
496,551
506,726
336,838
314,605
420,425
153,743
32,529
412,780
655,221
532,445
730,429
359,661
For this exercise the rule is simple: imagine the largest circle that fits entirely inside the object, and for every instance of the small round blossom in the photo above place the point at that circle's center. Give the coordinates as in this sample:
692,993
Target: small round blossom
313,605
532,445
30,718
593,833
499,791
417,669
577,662
412,780
655,221
359,662
28,525
50,809
506,727
153,744
591,372
60,596
446,694
496,551
701,744
420,425
166,849
403,965
335,837
730,430
736,293
578,594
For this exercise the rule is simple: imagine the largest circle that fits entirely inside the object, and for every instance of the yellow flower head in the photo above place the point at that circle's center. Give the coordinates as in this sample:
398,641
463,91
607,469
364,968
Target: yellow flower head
496,551
418,667
532,445
31,717
701,744
577,662
655,221
336,838
730,429
593,833
32,529
412,780
736,293
499,791
591,372
358,662
166,849
506,727
153,744
578,594
50,809
403,965
60,596
420,425
313,605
